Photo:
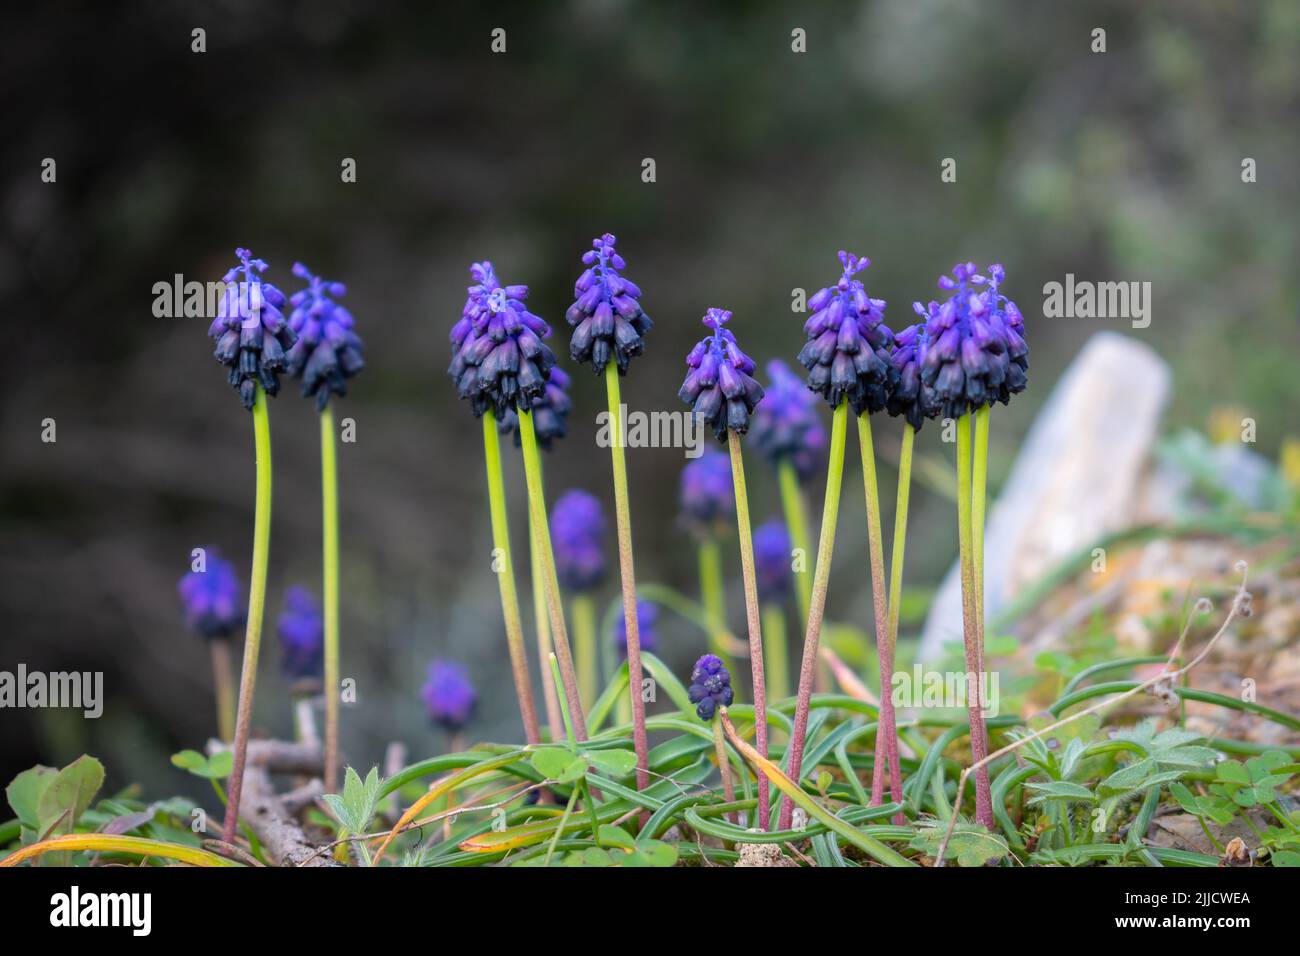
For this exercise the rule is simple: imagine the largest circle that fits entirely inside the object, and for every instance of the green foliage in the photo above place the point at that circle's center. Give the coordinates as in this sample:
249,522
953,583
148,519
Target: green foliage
355,807
970,844
48,802
216,767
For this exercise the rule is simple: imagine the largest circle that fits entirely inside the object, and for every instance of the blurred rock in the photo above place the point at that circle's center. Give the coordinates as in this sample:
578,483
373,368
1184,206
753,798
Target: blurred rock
1078,476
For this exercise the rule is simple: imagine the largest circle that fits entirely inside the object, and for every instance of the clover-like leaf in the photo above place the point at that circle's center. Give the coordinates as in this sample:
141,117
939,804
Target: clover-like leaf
970,845
613,763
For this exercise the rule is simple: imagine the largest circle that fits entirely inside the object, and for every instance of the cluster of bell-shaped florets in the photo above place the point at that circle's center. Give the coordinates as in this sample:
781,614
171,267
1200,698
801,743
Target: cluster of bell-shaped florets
328,350
719,387
499,361
550,411
607,318
977,353
710,686
847,354
911,397
251,332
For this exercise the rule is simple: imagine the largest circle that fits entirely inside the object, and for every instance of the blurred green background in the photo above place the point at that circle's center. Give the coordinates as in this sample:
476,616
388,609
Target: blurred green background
1117,166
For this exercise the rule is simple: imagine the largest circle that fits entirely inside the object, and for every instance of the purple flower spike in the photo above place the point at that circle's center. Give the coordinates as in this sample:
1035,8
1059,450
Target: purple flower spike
499,361
549,412
577,530
772,560
786,425
607,316
251,333
977,353
211,598
710,686
328,351
718,386
448,695
302,635
911,397
707,497
847,352
647,615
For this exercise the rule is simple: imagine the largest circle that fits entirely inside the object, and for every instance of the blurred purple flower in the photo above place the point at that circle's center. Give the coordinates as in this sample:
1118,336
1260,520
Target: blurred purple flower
718,386
577,533
647,615
607,316
772,560
302,635
448,695
786,425
499,360
251,333
977,353
847,352
328,351
212,599
710,686
707,497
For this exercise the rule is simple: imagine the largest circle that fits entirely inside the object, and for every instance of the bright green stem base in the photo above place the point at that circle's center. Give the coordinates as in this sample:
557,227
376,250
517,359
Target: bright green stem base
584,637
817,607
506,580
627,577
776,652
329,484
256,609
970,614
542,533
713,595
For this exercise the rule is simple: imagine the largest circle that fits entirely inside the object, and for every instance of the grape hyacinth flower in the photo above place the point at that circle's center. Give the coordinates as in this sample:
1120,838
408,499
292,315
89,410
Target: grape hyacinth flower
327,353
328,350
707,500
977,356
718,386
499,360
578,531
549,412
301,629
609,328
449,697
647,615
847,352
720,389
251,333
709,690
494,317
211,601
912,399
252,337
607,317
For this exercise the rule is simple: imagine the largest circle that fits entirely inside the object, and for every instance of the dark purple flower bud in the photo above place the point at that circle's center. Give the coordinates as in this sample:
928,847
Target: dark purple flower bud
607,318
786,425
499,361
328,351
772,556
577,533
976,352
251,333
911,397
707,497
302,635
549,412
647,616
448,695
710,686
848,349
718,386
212,599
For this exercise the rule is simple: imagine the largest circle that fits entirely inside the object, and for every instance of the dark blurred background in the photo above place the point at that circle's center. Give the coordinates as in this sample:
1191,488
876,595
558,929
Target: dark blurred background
1116,166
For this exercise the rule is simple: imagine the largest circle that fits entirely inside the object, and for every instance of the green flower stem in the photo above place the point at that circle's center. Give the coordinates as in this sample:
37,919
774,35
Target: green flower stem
724,766
627,574
713,595
584,631
884,648
329,485
506,580
896,568
542,531
777,651
542,623
256,609
817,607
979,494
223,685
795,510
753,617
970,630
